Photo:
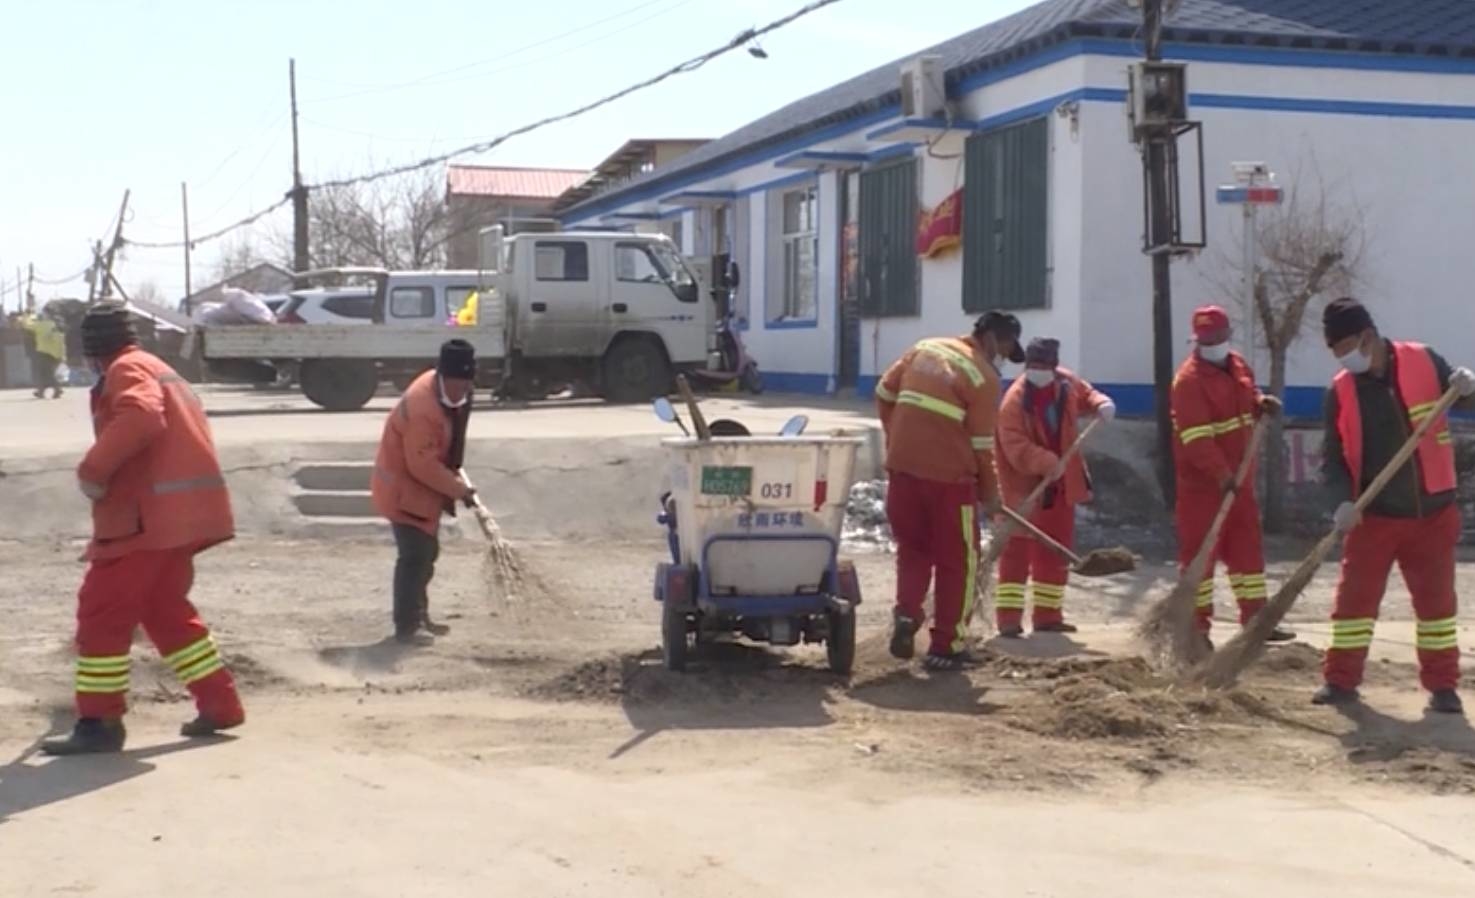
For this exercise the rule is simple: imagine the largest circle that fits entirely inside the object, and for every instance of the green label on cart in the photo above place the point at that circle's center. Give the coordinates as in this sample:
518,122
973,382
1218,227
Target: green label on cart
726,481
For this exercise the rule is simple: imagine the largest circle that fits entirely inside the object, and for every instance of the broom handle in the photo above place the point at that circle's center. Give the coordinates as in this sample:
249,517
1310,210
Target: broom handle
698,422
1042,536
1027,507
1212,538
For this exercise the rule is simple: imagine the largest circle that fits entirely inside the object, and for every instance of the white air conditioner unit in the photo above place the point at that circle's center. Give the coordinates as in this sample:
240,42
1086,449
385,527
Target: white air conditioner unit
923,90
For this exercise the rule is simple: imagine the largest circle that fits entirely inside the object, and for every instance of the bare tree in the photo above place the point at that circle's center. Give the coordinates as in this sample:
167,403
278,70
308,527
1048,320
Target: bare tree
398,223
239,254
149,292
1310,247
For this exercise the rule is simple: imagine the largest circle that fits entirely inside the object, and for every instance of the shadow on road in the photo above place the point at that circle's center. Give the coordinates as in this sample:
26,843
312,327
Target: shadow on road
31,781
906,689
1379,737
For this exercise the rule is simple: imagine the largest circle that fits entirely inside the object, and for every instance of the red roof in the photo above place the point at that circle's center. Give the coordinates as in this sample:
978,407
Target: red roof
533,183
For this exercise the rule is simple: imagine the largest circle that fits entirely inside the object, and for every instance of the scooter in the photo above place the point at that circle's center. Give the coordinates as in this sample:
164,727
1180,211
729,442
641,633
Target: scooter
735,367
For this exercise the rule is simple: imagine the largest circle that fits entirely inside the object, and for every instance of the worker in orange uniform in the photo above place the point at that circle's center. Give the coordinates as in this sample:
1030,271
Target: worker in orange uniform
1386,388
417,478
1037,423
937,406
158,499
1215,406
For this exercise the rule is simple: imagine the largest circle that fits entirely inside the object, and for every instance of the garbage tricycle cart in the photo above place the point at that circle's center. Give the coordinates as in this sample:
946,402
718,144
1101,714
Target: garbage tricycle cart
754,529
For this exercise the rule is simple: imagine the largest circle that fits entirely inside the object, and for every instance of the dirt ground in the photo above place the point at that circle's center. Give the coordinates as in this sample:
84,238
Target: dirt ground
544,747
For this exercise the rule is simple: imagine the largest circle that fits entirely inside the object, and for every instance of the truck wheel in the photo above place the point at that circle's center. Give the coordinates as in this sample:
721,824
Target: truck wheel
840,643
675,645
635,371
339,385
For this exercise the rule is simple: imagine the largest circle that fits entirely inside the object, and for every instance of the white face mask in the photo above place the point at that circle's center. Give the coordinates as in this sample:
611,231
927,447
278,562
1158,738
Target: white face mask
1356,361
446,400
1040,377
1216,354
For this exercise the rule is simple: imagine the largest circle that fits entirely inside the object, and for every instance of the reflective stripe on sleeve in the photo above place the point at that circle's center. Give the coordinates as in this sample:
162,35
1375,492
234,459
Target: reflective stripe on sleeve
932,404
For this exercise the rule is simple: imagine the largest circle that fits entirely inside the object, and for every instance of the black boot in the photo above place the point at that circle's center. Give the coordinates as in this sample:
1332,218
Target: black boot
1281,634
203,727
1335,695
903,636
1446,701
91,736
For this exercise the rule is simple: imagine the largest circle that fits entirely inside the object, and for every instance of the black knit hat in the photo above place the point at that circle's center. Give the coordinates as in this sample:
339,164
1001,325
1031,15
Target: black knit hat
1343,318
106,330
1004,327
1043,351
457,360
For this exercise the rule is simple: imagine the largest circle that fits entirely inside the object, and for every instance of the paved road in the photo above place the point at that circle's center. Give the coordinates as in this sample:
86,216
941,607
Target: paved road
30,427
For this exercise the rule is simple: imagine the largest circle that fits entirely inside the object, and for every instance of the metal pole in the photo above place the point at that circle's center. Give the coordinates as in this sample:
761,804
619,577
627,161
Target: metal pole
299,192
188,288
107,268
1252,347
1161,236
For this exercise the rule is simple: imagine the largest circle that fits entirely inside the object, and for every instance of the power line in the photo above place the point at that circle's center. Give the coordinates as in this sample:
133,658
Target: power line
386,88
686,67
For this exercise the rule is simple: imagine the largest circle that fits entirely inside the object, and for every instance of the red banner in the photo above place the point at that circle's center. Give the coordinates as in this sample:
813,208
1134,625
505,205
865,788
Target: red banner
942,228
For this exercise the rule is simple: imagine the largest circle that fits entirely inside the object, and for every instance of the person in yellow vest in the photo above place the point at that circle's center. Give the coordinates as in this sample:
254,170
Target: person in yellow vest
51,348
1385,389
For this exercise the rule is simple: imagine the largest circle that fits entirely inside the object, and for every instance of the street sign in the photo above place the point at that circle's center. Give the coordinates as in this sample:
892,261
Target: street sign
1253,196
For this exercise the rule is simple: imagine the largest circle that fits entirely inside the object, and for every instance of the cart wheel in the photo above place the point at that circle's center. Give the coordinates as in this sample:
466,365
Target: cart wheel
674,640
840,643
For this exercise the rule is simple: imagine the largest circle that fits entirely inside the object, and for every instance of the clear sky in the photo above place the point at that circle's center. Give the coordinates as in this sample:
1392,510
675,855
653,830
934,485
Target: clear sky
102,95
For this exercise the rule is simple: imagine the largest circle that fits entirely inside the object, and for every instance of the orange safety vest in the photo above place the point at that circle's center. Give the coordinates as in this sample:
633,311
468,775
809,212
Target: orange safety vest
1418,389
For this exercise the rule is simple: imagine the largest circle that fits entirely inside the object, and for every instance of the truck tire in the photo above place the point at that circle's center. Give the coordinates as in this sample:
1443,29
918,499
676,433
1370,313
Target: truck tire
635,371
339,385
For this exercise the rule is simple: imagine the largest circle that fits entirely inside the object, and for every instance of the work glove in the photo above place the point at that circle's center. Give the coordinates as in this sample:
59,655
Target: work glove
1228,486
1346,517
468,498
93,491
1271,405
1107,412
1463,379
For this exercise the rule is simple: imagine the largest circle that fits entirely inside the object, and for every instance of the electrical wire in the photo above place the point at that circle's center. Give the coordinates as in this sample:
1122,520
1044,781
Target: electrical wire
691,65
433,76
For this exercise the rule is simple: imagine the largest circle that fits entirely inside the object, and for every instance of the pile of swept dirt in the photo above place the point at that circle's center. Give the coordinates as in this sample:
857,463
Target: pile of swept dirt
717,674
1117,698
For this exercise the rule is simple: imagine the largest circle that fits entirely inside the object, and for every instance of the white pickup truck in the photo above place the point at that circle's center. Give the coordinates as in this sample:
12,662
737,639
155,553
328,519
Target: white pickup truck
613,314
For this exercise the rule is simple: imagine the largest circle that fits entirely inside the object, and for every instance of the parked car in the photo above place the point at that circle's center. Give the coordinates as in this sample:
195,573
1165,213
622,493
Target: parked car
344,305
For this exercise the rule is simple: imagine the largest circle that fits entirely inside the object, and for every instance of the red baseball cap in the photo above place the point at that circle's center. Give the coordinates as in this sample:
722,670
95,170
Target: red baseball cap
1210,323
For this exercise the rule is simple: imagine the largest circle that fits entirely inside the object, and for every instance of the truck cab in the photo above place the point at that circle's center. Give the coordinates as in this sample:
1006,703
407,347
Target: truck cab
621,310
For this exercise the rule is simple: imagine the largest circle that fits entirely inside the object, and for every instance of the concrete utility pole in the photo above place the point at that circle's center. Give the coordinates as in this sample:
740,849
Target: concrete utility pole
1160,236
31,286
299,192
106,290
184,203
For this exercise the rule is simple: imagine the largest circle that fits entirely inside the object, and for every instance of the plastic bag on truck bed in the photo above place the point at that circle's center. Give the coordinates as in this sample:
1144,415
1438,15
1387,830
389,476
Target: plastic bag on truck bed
239,307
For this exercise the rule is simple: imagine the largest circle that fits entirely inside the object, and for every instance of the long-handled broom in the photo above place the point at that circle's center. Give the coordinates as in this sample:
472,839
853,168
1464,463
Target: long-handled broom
983,575
1097,563
1169,623
508,577
1226,664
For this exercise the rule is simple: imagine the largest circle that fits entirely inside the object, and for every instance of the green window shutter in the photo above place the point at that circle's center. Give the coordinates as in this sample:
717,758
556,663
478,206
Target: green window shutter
888,228
1005,216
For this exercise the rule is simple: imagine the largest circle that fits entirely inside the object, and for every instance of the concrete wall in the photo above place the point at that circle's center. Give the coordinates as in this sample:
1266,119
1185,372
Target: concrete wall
1409,175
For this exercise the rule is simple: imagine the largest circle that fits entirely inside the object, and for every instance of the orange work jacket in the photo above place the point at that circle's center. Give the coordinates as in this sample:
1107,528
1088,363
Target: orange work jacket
1024,456
154,456
413,482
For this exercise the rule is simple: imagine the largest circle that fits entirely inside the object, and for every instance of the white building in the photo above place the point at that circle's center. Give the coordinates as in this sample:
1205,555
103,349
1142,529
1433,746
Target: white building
1374,100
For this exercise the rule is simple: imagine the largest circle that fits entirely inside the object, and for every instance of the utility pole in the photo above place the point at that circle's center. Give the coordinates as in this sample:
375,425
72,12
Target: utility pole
184,202
299,192
1162,278
30,286
94,271
107,266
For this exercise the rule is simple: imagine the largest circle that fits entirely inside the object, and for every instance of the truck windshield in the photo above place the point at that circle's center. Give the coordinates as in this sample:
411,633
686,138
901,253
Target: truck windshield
674,269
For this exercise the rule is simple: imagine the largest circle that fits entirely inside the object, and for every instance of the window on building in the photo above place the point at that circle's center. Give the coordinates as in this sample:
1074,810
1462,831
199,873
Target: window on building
561,260
793,248
412,302
887,269
1005,216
